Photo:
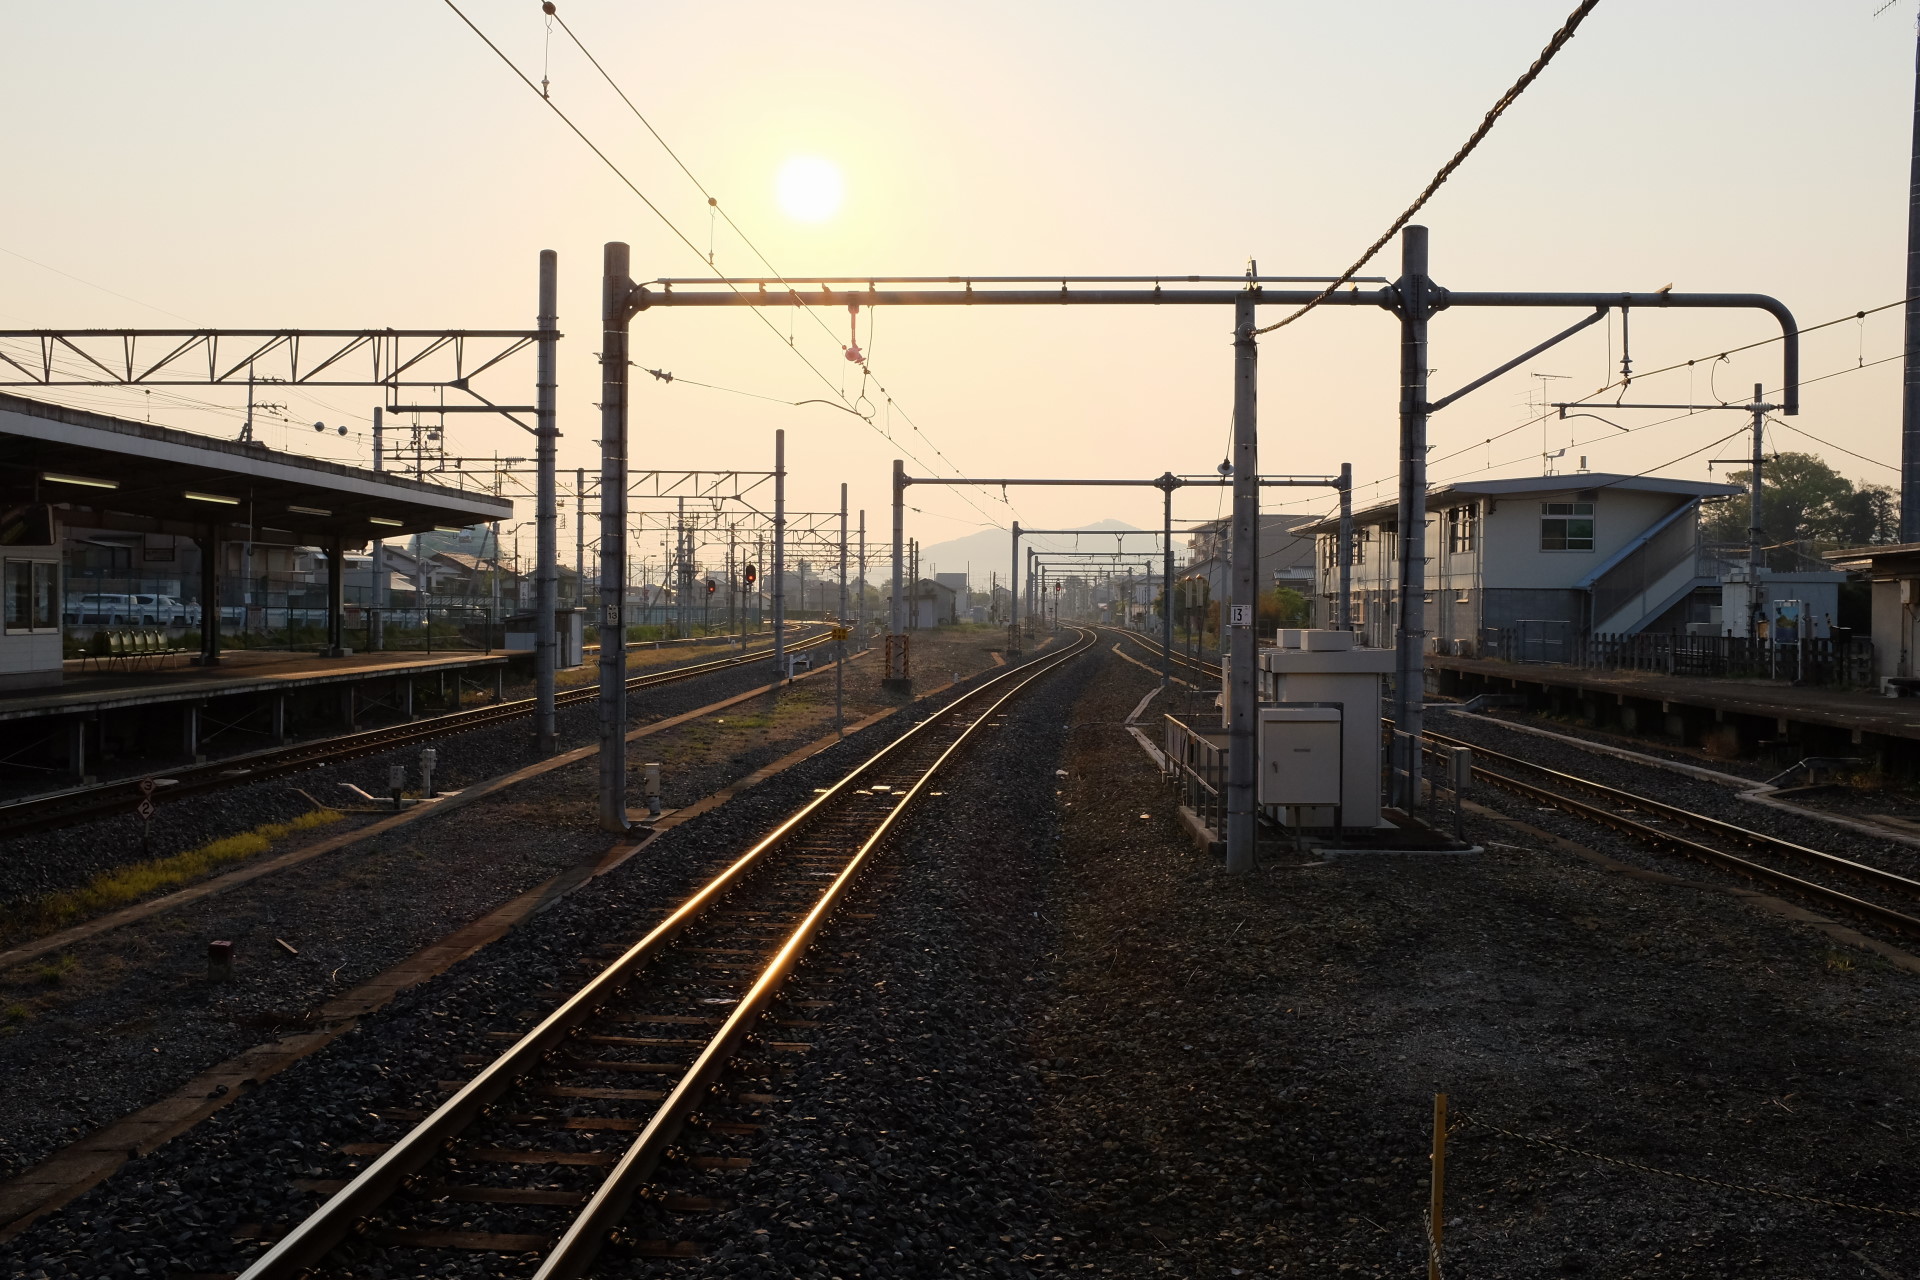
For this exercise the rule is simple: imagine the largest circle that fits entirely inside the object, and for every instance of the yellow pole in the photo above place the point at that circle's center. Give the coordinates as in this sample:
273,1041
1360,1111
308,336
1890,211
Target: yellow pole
1436,1206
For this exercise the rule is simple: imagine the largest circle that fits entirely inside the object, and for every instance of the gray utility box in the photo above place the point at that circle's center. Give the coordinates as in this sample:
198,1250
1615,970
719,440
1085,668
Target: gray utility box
1307,678
569,633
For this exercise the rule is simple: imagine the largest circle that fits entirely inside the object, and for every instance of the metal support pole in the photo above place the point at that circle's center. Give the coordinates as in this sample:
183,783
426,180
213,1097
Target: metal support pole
378,596
209,598
1166,581
615,290
860,611
1013,595
1910,384
897,677
546,569
1245,567
336,594
1415,302
1343,552
1756,552
840,664
779,551
580,536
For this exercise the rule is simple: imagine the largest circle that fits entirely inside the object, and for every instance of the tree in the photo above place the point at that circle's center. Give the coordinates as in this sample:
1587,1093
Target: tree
1805,500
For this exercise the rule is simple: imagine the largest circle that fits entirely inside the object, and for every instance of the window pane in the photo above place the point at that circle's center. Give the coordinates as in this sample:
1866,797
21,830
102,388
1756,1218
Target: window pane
19,588
46,595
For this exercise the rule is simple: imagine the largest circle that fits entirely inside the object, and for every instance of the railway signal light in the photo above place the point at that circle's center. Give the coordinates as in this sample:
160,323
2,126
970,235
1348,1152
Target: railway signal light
752,574
711,588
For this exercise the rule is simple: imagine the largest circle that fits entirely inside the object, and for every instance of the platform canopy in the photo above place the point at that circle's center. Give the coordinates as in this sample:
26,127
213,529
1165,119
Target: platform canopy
111,473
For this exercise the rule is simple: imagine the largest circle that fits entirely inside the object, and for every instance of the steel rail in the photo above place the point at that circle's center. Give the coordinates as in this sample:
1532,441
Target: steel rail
573,1256
1834,898
308,1244
64,807
1878,878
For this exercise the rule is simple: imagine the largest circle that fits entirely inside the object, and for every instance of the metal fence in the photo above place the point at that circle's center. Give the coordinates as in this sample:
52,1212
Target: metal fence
1843,662
1197,767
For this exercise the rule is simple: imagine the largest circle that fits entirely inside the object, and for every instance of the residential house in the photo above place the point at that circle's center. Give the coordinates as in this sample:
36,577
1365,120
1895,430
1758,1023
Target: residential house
1286,554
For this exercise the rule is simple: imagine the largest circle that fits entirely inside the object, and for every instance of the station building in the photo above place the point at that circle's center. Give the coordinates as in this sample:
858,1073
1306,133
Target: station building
1534,563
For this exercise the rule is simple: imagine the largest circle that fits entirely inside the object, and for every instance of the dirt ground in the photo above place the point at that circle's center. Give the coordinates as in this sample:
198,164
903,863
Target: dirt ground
1243,1068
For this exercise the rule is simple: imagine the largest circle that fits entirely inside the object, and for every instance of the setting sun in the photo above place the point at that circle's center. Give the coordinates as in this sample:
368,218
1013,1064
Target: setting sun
809,188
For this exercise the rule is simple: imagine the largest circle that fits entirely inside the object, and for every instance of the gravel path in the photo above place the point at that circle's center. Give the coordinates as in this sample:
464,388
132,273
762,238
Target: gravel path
1251,1060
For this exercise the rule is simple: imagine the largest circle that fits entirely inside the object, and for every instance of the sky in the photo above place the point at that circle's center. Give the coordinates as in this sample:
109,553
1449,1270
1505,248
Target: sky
363,164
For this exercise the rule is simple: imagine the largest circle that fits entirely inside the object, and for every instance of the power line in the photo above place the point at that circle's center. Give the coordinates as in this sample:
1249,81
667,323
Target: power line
1830,445
682,236
1685,364
1507,99
713,202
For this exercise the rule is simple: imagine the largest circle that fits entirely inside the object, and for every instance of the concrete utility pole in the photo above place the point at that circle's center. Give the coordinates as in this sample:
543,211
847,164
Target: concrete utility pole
1910,384
1414,302
840,641
616,310
546,570
1242,699
779,552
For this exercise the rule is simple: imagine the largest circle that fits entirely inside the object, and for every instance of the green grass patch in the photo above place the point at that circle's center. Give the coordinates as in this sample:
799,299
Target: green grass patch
139,880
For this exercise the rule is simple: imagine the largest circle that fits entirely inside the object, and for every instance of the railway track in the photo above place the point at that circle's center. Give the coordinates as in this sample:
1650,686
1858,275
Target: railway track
1659,825
61,808
644,1084
1615,808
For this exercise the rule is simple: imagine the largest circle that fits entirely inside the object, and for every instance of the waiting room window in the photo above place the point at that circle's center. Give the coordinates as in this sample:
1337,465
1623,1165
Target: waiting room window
1566,526
32,595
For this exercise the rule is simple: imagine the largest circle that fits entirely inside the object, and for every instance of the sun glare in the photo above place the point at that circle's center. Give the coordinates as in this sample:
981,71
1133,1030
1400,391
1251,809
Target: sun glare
809,188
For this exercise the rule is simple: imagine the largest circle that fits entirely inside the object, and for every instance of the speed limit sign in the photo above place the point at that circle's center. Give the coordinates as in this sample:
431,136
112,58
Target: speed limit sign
145,810
146,786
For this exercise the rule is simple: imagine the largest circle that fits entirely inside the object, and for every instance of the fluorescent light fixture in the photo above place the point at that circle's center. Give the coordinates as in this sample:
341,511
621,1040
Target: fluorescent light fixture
383,520
220,498
309,511
56,477
448,528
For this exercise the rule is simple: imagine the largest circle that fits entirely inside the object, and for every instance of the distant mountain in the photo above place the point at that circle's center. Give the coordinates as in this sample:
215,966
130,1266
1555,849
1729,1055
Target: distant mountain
990,551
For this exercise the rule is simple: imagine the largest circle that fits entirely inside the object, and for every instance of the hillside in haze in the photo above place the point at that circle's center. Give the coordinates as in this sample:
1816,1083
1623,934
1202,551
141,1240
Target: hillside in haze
990,550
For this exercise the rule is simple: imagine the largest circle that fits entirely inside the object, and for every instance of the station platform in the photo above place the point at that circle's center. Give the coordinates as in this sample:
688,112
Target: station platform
1726,717
170,710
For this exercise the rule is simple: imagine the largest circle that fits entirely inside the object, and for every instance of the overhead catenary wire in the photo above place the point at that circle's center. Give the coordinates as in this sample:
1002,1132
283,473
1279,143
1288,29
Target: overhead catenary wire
680,235
1507,99
714,206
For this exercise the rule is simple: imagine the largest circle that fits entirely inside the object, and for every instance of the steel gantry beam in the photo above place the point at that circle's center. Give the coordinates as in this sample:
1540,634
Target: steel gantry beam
1413,299
389,359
